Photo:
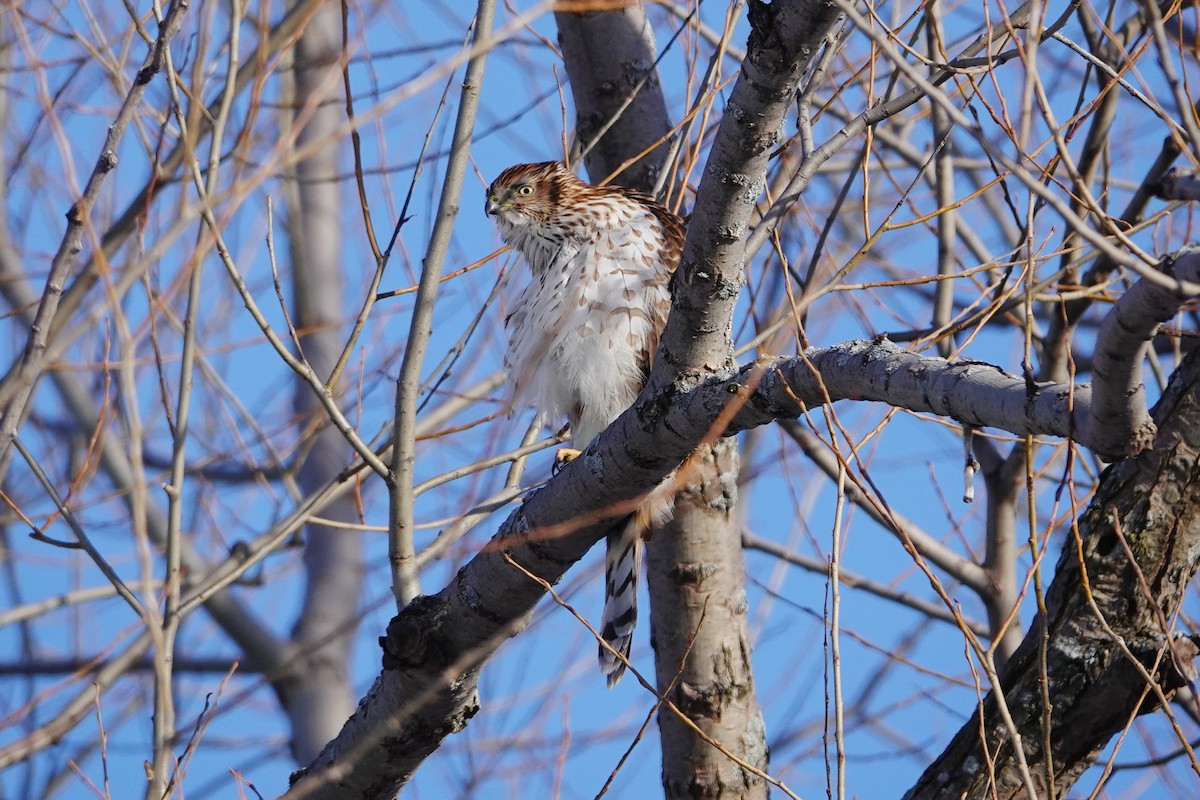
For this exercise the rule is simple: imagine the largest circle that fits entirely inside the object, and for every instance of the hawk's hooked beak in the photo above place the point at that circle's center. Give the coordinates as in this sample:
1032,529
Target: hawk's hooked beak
493,206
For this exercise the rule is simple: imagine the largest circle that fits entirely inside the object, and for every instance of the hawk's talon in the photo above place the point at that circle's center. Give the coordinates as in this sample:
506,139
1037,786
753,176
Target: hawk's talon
562,457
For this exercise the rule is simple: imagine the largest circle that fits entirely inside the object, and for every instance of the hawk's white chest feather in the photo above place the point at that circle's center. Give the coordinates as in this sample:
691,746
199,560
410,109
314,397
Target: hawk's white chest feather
582,331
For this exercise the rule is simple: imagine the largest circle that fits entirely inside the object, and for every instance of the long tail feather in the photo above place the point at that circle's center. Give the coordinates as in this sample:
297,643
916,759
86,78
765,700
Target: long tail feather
622,566
622,563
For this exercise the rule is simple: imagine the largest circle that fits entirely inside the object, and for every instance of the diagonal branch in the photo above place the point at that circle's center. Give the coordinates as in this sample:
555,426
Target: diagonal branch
436,646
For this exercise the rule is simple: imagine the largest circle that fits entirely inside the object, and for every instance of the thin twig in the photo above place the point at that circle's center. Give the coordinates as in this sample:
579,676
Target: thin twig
78,220
80,534
401,552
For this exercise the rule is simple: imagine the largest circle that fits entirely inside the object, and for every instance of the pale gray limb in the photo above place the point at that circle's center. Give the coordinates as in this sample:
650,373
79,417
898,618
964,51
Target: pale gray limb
943,181
709,279
1005,482
36,609
701,638
621,112
971,392
401,552
1119,419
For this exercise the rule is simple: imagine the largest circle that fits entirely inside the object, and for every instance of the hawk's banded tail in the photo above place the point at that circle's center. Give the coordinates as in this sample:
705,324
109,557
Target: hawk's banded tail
622,566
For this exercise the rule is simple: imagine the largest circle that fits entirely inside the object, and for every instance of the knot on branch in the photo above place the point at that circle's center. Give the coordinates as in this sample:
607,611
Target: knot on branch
1141,438
712,697
409,640
765,40
749,188
693,573
637,70
784,37
1175,668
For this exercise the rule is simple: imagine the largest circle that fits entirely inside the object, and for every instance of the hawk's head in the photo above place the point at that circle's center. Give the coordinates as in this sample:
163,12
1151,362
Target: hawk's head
528,194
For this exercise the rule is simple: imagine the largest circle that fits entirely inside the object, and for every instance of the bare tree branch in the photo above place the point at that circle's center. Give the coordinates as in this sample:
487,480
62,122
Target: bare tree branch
610,57
1106,625
17,389
1119,418
401,553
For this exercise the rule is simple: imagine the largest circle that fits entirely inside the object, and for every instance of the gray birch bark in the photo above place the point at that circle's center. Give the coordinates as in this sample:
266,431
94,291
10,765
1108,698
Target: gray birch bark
620,111
702,651
701,639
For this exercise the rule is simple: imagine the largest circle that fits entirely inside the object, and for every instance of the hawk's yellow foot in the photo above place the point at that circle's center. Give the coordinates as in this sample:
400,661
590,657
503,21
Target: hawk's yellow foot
564,456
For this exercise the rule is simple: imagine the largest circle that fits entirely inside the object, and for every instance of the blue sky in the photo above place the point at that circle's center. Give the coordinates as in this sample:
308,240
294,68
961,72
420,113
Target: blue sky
547,724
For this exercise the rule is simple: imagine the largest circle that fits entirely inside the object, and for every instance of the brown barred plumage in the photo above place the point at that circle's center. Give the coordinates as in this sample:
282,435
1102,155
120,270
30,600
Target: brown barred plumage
583,330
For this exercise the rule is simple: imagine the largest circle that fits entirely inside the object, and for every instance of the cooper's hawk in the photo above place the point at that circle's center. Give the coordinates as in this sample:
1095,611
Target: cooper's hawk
582,332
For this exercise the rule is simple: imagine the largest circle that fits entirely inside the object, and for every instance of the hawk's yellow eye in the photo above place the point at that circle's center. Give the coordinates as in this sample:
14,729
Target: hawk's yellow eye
526,189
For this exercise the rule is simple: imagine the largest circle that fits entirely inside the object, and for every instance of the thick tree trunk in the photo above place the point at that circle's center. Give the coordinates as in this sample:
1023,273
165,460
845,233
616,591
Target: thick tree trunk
619,105
702,563
694,568
1105,630
701,642
319,696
